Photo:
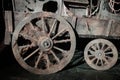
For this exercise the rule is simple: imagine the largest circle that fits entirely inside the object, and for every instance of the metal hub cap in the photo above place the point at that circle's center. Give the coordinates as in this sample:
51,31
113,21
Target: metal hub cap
99,54
45,44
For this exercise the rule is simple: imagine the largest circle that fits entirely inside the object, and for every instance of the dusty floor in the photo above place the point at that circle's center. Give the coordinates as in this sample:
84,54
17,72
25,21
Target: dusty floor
11,70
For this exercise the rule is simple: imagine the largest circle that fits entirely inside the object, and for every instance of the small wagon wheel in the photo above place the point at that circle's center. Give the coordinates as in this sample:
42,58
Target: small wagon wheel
100,54
43,43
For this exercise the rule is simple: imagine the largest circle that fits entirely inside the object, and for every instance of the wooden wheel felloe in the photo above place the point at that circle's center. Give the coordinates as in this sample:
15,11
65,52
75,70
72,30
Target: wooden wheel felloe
43,43
100,54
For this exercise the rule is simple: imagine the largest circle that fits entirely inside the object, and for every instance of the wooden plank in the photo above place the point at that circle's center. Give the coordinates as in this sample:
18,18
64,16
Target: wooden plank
8,27
78,1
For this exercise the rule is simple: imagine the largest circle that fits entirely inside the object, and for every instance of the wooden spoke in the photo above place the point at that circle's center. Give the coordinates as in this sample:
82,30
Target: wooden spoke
53,28
31,26
24,46
94,47
92,52
59,33
102,48
44,26
62,41
107,48
56,58
23,49
47,61
97,62
108,57
31,54
38,59
106,61
91,56
27,37
93,59
108,53
98,46
63,51
101,61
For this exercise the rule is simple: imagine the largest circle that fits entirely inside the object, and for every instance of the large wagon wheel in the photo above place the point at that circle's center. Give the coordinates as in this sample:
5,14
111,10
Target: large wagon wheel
100,54
43,43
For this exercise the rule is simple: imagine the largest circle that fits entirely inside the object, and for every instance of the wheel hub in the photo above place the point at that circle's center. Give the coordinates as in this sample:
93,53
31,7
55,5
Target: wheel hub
45,43
99,54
